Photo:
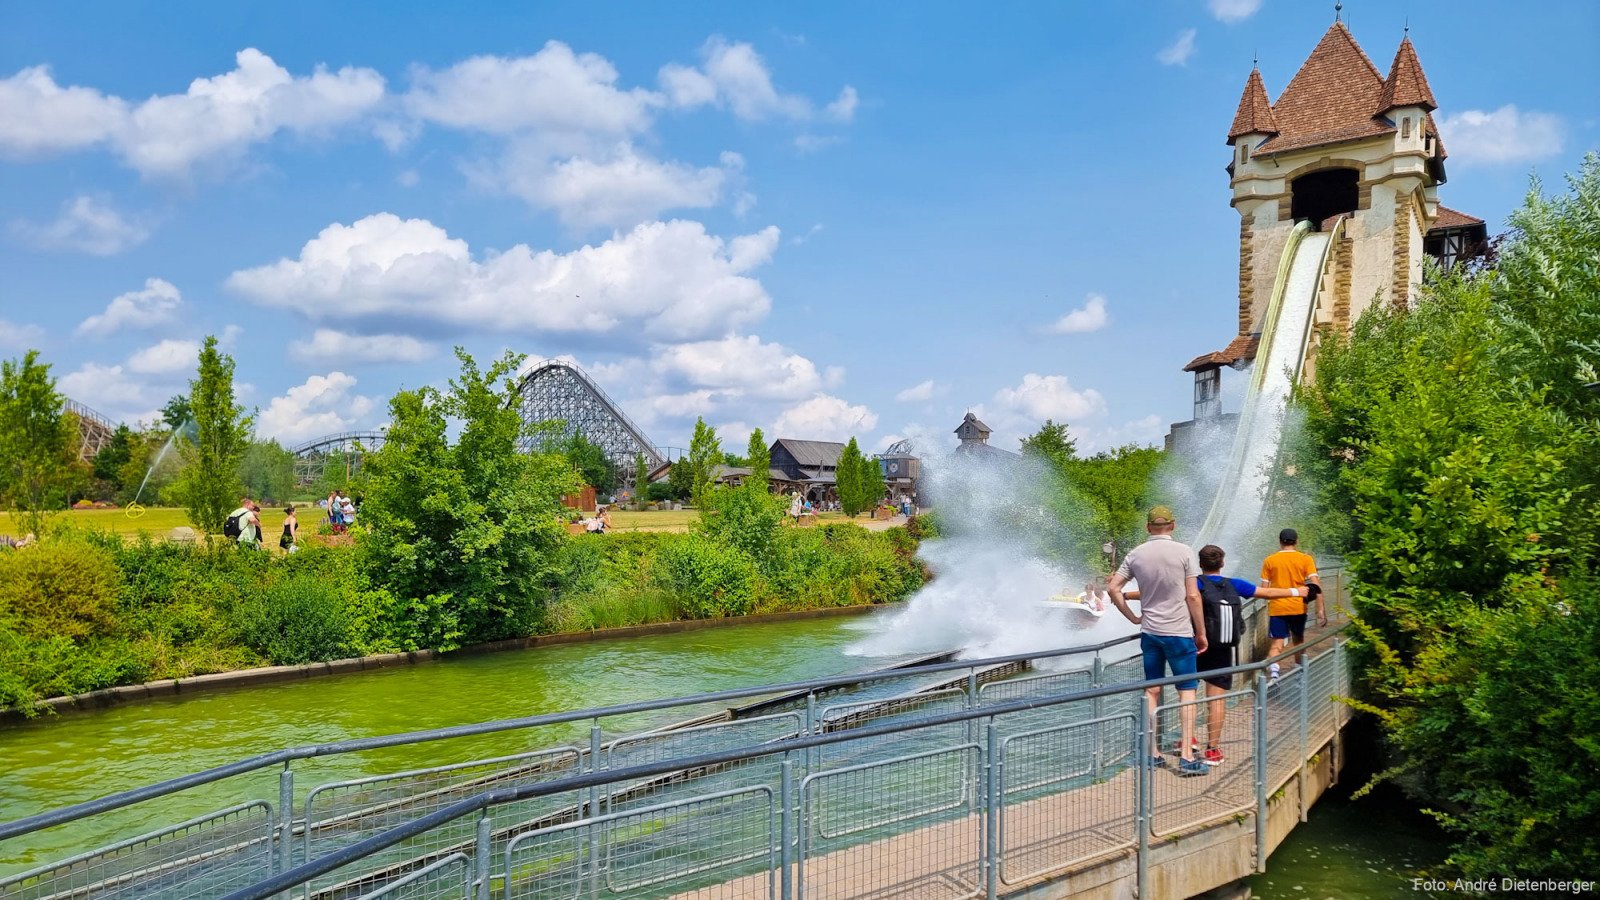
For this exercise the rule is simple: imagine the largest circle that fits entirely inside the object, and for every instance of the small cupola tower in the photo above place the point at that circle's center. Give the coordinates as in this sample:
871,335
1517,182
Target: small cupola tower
1253,125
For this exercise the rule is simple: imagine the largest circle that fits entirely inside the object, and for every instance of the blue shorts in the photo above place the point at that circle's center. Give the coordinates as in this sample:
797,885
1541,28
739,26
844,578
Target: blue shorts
1163,650
1281,627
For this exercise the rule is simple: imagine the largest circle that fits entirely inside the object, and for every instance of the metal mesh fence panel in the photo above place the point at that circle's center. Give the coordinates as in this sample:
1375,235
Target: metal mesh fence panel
1061,803
896,827
1323,672
204,857
857,714
1183,801
1283,728
447,879
680,743
1039,686
719,845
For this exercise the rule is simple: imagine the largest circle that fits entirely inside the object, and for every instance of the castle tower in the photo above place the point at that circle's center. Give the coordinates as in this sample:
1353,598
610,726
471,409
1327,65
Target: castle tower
1342,143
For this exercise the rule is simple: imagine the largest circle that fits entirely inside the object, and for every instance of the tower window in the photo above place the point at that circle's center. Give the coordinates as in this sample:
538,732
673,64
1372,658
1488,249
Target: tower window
1405,127
1207,394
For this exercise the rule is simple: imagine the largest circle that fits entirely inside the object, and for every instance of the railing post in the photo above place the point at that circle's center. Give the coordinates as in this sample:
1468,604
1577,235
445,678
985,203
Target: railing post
993,776
1261,771
285,842
1097,674
481,863
1305,730
1141,799
785,829
813,726
595,746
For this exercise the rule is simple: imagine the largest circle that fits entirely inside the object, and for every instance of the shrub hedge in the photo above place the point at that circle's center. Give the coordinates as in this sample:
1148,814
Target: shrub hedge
85,610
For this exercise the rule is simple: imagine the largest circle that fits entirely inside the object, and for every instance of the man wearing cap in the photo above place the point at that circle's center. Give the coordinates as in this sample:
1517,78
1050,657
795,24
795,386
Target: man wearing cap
1286,618
1171,622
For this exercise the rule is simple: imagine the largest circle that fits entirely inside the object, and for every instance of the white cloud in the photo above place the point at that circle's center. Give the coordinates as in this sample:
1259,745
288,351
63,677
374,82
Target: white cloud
165,357
16,336
811,232
1503,136
744,365
86,225
329,346
42,117
811,143
147,308
1178,52
322,405
824,418
1149,430
1041,397
165,136
917,392
408,178
111,391
568,98
1091,316
618,188
1232,11
668,280
735,77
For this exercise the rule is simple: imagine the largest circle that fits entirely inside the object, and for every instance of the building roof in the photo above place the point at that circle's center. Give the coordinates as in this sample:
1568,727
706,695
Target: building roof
1240,348
1449,218
971,419
810,454
972,448
1406,85
1255,110
1335,97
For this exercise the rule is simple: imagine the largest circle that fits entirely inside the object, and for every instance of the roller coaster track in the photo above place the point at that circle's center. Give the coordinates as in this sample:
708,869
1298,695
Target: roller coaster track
557,391
313,456
94,430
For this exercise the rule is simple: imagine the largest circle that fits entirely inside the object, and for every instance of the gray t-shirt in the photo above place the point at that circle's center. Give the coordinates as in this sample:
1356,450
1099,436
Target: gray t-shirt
1164,569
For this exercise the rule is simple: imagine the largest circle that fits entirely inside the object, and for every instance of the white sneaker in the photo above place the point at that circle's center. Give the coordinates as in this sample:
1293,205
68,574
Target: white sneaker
1272,673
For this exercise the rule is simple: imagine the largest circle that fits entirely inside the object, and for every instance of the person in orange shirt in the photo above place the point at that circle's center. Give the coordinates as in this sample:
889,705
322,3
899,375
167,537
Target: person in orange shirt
1286,618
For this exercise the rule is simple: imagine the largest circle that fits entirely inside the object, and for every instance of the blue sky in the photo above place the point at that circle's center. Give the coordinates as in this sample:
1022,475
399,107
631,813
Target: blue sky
821,221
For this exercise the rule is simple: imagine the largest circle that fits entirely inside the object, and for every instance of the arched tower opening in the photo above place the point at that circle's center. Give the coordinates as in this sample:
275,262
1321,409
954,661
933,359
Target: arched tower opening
1320,195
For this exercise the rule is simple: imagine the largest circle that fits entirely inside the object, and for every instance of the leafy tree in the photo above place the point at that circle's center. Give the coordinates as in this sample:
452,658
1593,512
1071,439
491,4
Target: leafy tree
680,480
641,477
177,412
1052,444
149,468
1115,488
267,470
1456,441
705,453
871,480
209,484
113,456
852,489
37,441
466,534
759,458
734,460
591,462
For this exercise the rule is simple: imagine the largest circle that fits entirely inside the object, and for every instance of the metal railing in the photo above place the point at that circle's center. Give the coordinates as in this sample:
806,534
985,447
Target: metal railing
991,783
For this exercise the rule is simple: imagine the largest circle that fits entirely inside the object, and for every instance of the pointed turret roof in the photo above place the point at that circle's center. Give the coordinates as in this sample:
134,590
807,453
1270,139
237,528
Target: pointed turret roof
1334,97
1255,111
1406,85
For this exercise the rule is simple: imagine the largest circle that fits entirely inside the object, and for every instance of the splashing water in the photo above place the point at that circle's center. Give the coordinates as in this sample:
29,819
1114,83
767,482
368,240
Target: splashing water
999,556
156,463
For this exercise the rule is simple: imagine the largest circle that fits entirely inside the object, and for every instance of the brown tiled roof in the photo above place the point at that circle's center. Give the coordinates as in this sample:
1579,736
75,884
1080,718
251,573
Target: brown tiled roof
1406,85
1255,111
1333,98
1449,218
1242,347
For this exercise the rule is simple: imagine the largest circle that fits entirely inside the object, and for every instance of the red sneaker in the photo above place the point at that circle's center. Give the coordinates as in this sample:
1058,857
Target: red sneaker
1213,756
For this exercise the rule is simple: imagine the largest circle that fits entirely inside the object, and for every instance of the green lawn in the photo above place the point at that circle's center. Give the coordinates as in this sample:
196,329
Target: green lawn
158,521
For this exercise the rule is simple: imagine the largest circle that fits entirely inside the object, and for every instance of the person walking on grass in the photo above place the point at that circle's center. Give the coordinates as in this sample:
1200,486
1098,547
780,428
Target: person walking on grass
1289,568
1224,615
289,541
1172,630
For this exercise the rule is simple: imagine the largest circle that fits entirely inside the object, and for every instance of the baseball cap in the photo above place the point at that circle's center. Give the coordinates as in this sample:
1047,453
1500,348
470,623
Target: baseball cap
1160,515
1288,536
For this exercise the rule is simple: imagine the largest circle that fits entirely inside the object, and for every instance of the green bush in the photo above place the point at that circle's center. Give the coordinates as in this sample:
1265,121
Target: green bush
710,579
301,619
60,588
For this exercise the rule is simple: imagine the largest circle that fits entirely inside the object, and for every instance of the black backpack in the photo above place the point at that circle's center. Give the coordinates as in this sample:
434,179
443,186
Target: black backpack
231,528
1224,612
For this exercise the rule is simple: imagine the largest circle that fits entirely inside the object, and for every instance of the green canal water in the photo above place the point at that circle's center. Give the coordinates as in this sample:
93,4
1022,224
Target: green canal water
57,760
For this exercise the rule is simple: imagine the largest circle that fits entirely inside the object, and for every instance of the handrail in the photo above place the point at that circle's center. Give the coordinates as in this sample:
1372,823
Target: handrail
323,865
310,751
62,815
